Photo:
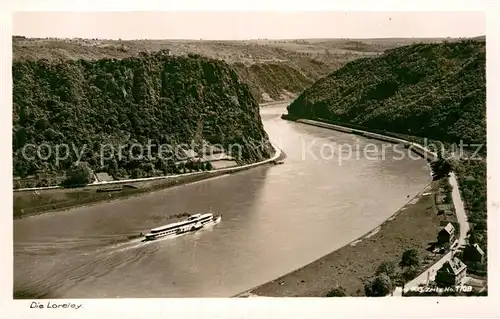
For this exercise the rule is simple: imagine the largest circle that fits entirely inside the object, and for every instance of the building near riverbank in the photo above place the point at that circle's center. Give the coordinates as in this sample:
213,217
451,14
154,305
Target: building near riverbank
451,273
473,253
446,235
103,177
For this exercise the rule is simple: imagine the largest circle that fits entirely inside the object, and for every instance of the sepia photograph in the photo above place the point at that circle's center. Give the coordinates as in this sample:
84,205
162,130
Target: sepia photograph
248,154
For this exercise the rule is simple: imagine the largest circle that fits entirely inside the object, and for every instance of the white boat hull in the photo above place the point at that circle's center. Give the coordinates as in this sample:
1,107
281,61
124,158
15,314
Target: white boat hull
184,229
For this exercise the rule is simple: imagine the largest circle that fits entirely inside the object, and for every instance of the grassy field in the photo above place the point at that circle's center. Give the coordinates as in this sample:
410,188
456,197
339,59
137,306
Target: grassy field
245,51
414,226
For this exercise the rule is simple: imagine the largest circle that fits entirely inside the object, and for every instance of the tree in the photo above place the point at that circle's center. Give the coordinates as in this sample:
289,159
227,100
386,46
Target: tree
447,198
337,292
441,167
79,174
410,259
189,164
378,286
137,173
472,238
181,167
148,168
386,267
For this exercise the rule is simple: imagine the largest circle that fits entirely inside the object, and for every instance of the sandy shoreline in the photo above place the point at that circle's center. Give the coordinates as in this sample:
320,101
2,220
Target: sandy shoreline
348,265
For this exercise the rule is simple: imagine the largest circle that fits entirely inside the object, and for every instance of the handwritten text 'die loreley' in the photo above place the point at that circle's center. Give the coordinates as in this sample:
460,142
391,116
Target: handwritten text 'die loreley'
52,305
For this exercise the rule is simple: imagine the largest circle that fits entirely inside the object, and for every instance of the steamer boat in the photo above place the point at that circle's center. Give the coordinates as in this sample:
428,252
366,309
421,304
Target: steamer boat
192,223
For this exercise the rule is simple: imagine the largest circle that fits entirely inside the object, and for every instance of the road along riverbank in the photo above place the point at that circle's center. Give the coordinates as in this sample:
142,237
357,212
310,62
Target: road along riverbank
35,201
430,273
413,226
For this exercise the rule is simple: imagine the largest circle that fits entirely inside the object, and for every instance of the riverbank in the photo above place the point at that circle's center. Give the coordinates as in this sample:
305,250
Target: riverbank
54,200
272,103
415,225
27,203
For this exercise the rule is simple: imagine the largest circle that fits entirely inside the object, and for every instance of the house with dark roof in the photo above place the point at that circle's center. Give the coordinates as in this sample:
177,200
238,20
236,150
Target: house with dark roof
451,273
446,235
473,253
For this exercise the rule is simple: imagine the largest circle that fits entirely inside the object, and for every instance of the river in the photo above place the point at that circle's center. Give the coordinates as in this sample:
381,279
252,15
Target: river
275,219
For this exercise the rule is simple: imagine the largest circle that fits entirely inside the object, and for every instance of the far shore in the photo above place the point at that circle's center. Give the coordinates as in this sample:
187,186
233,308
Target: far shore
275,102
64,199
142,189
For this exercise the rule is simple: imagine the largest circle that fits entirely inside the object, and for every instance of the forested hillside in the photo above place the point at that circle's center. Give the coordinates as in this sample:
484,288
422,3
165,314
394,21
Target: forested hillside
430,90
434,91
274,69
272,81
168,100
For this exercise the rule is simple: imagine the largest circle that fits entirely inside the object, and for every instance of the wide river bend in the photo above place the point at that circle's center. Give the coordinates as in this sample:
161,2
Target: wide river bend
275,219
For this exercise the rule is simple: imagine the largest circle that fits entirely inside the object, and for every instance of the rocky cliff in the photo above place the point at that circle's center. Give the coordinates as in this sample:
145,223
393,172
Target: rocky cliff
148,99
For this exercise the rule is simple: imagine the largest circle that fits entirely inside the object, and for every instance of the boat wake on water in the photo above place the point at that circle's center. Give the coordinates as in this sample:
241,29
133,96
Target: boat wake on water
193,223
94,262
89,268
113,243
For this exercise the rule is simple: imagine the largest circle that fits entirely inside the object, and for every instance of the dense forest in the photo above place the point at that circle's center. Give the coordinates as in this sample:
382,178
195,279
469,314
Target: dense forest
430,90
274,70
168,100
433,91
272,79
472,180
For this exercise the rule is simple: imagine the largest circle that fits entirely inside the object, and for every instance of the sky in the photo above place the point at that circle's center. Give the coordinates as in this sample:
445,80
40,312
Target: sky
248,25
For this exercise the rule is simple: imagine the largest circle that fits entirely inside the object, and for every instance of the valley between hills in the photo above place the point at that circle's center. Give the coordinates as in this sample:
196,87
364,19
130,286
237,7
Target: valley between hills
91,92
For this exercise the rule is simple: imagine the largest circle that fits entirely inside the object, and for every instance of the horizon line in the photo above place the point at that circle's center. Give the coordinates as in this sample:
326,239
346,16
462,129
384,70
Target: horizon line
250,39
